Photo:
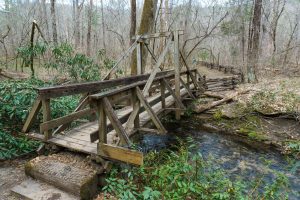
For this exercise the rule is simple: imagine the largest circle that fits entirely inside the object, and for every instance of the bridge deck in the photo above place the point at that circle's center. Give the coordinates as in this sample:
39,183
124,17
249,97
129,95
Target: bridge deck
78,138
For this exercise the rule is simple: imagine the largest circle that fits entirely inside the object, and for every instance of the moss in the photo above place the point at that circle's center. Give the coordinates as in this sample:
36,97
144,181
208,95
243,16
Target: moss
28,168
89,187
256,136
218,115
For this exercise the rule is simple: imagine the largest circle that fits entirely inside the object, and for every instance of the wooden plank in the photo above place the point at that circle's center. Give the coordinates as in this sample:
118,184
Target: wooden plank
139,58
149,130
177,101
32,115
163,94
156,67
90,87
113,118
187,89
133,120
46,116
177,71
81,105
102,123
151,113
45,126
120,154
69,144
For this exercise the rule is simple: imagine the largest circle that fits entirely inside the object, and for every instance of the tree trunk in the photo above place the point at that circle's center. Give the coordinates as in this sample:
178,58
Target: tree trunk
103,25
147,22
253,42
53,17
45,16
88,35
132,21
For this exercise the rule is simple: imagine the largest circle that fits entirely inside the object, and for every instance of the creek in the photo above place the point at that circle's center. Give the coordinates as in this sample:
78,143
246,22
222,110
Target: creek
240,160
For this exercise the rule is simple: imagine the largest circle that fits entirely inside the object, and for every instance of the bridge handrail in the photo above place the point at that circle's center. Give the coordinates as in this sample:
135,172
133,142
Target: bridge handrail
89,87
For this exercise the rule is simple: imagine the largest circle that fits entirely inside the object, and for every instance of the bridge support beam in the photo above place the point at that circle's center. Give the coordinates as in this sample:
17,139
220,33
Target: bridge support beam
177,72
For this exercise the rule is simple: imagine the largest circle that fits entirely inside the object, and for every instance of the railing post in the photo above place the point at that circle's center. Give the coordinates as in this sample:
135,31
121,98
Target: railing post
177,72
139,58
136,105
46,117
102,124
188,79
162,94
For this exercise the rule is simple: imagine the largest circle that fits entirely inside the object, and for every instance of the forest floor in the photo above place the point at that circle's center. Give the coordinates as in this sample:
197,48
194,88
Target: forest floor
11,174
268,113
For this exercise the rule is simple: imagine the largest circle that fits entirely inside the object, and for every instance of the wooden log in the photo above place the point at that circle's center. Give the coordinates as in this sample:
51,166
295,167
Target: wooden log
202,108
69,178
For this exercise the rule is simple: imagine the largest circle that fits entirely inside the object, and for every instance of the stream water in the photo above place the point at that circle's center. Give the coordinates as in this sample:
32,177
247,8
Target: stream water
238,159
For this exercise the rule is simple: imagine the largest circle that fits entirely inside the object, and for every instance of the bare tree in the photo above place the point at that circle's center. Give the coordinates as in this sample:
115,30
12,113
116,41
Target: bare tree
253,42
146,25
89,29
103,25
53,18
132,21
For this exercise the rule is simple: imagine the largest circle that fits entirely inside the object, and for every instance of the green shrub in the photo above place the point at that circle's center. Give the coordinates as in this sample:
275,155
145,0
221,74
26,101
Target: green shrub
181,174
11,147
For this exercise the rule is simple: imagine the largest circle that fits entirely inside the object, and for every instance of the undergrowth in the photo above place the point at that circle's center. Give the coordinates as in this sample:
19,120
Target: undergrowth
16,100
181,174
11,146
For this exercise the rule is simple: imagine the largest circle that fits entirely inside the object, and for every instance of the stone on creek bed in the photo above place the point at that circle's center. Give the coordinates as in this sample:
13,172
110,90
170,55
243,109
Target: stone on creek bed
67,177
232,110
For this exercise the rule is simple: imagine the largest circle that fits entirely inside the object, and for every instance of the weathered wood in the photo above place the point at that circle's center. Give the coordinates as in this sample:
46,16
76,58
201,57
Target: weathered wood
148,130
139,58
81,105
45,126
151,113
102,124
133,120
177,101
177,71
113,118
187,89
90,87
156,67
46,116
120,154
162,94
32,115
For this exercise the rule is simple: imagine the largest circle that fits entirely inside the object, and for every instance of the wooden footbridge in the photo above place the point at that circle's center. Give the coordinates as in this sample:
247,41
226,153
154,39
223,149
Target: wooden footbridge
118,108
